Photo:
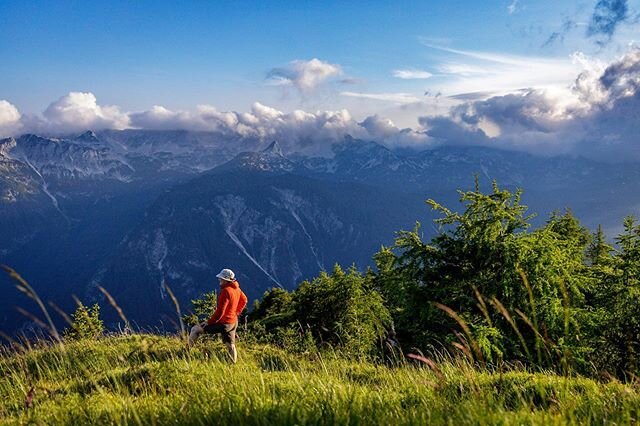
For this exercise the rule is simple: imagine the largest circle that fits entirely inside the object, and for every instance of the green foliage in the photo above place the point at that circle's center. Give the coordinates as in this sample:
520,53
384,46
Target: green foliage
520,294
86,323
202,309
341,310
617,298
274,310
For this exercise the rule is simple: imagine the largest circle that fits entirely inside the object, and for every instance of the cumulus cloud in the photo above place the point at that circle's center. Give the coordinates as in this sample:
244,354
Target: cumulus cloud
383,129
412,74
606,17
9,119
311,132
597,117
304,75
80,110
298,130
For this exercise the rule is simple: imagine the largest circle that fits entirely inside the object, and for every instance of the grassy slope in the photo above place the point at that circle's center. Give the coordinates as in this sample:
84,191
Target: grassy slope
151,379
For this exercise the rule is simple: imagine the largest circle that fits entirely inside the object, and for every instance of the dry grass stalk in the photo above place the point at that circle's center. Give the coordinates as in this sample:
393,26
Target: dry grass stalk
450,312
24,287
177,306
115,306
505,313
62,313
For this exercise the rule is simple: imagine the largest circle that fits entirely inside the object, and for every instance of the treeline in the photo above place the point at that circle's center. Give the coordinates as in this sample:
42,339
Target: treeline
486,286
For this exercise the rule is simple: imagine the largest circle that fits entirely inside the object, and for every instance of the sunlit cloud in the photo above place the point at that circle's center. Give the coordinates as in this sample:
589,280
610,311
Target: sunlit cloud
9,119
303,75
595,117
465,71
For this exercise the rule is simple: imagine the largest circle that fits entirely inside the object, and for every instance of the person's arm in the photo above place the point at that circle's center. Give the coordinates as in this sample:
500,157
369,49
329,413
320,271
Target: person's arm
223,302
241,303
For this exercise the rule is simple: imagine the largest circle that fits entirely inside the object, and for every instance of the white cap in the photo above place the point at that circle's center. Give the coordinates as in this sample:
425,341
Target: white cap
227,275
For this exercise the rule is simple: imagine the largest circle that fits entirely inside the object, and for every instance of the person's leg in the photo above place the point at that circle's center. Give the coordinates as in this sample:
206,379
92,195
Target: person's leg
196,331
208,329
229,338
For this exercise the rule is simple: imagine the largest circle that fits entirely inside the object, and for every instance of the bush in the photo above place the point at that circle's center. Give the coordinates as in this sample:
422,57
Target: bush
202,309
340,309
86,323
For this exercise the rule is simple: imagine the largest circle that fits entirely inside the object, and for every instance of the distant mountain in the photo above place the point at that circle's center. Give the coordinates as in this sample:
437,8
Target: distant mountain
270,159
129,209
274,229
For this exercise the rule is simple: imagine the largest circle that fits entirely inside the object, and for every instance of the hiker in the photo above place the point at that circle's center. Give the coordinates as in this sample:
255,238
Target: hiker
224,320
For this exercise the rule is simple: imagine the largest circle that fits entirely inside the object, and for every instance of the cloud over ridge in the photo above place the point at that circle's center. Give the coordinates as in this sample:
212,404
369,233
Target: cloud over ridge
597,116
10,118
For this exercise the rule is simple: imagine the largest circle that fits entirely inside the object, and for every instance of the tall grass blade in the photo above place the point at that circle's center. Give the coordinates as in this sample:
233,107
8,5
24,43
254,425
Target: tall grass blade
24,286
505,313
62,313
112,302
451,313
177,306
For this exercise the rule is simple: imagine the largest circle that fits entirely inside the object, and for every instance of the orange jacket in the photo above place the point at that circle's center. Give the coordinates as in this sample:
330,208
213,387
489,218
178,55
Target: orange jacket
230,303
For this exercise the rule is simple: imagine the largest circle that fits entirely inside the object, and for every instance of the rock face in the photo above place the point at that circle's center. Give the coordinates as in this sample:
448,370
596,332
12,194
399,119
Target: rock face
137,210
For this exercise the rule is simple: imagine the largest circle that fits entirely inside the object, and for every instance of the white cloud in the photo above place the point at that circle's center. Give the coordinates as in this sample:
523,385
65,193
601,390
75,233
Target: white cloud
80,110
304,75
596,117
513,7
9,119
398,98
463,71
303,131
412,74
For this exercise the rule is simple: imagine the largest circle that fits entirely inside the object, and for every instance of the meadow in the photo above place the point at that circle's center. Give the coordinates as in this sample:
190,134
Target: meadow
152,379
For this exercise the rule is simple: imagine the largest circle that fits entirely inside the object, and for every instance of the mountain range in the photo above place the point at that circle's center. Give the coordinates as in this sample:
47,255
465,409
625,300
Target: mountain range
136,211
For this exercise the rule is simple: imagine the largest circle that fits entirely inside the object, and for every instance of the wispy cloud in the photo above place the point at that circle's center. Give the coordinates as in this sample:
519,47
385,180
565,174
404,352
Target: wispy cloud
606,17
513,7
412,74
559,35
398,98
465,71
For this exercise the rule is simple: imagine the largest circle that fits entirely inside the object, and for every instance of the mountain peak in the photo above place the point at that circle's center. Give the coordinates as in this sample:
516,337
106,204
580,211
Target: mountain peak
270,159
274,148
87,137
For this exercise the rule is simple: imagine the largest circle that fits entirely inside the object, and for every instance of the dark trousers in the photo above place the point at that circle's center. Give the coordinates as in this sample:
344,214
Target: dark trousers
228,331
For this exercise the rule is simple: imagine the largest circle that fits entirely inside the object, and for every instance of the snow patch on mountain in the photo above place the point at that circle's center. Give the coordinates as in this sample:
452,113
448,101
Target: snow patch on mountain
231,210
291,202
157,257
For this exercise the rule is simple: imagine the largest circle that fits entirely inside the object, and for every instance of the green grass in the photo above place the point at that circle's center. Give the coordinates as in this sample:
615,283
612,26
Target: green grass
147,379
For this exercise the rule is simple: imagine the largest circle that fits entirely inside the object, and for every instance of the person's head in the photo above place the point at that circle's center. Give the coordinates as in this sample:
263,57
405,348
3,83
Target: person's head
226,276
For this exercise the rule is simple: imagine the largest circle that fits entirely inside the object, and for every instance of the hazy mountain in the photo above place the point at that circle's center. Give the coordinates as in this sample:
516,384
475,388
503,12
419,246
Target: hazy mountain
131,209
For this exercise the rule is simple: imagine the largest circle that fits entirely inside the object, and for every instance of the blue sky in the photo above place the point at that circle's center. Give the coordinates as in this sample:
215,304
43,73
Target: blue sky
180,54
136,63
